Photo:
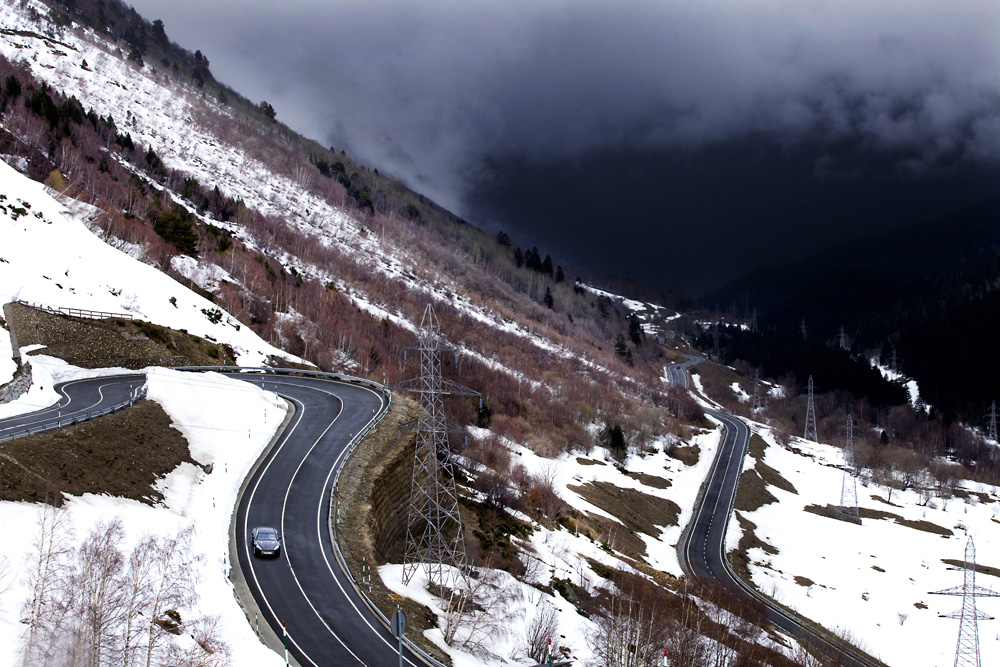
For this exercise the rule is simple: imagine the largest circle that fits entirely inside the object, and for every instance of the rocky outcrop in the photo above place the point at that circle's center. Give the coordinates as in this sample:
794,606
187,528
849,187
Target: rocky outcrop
18,386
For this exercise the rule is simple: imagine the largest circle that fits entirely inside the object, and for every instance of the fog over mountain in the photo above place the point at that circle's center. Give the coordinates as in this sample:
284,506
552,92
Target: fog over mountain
630,136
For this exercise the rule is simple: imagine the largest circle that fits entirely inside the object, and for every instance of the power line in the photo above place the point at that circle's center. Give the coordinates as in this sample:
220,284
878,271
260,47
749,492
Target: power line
967,651
810,433
434,537
849,487
758,399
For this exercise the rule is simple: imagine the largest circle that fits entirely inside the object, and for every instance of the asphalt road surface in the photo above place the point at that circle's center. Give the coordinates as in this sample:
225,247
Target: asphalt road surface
77,399
677,373
327,623
702,551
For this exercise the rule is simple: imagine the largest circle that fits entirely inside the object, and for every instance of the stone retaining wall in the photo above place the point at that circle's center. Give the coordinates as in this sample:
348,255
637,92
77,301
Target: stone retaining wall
84,343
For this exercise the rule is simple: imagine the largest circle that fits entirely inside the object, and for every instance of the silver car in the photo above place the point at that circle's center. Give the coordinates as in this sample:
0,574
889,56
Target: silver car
266,541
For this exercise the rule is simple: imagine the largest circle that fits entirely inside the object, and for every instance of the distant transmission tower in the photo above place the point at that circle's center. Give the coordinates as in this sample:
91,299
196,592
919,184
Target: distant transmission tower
843,338
849,488
811,433
894,361
753,322
434,538
967,652
758,399
991,431
804,329
716,343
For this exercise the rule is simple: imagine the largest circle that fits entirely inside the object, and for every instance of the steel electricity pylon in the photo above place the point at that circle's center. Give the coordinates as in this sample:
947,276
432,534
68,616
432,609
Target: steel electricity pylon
715,343
849,487
991,431
967,652
810,433
434,538
758,392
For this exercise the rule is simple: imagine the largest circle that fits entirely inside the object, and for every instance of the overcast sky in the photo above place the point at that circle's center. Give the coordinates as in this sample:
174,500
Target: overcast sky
679,142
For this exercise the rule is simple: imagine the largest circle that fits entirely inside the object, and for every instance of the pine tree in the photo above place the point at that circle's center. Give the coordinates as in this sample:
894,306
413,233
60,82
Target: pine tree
267,110
635,332
613,439
549,301
533,260
620,346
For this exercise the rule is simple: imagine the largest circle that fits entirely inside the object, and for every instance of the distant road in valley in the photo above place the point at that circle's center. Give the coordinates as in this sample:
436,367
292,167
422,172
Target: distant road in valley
702,547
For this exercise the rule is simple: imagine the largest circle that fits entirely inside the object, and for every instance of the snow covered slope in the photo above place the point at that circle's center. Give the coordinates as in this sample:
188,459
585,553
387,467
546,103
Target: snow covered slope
874,580
49,256
227,423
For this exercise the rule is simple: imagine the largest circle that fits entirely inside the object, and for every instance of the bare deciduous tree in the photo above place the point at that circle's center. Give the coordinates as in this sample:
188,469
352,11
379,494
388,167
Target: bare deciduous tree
98,596
478,610
171,589
98,606
539,631
629,632
49,568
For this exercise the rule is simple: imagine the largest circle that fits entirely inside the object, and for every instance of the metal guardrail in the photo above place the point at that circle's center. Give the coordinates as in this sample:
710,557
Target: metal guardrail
77,312
60,422
334,522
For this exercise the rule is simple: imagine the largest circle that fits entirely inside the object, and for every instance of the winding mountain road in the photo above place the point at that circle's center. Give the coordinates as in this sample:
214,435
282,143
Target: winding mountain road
702,547
78,400
327,622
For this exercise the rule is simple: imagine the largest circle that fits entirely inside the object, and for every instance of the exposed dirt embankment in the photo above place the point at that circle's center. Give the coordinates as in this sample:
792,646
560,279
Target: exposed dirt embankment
110,343
375,490
374,500
121,455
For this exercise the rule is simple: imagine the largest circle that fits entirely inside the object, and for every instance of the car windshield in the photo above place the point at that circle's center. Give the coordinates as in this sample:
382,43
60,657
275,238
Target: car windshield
267,534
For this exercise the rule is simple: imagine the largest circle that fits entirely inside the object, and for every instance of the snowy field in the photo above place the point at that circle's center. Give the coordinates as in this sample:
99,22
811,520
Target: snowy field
874,580
227,424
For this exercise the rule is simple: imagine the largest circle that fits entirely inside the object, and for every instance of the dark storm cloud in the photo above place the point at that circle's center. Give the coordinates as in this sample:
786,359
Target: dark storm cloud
444,94
435,86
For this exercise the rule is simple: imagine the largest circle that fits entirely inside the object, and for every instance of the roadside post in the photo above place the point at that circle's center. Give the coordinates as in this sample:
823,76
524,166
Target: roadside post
398,626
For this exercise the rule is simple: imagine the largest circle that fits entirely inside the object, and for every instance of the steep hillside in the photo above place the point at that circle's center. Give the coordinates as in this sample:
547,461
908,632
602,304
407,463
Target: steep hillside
244,208
280,238
582,467
50,256
874,581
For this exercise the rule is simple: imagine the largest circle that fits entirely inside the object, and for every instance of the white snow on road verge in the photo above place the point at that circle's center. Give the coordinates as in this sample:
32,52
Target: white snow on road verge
227,423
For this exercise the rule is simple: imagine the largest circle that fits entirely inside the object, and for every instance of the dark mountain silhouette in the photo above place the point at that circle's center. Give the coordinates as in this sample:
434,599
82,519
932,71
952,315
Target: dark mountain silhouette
932,289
